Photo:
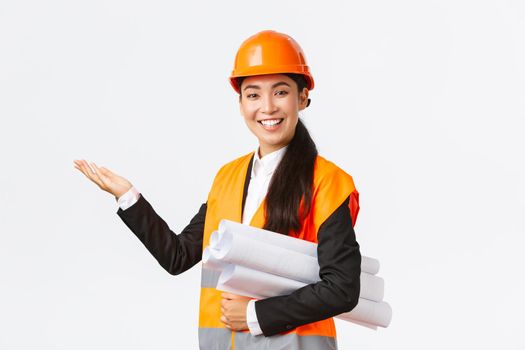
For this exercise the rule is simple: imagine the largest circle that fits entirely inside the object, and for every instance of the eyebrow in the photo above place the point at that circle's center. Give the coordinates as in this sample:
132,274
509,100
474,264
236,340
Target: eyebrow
273,86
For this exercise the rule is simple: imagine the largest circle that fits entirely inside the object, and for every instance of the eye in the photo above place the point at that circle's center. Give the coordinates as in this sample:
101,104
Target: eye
281,92
252,95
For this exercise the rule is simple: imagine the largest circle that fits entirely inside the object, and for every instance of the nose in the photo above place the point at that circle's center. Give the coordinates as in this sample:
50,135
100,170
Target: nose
268,105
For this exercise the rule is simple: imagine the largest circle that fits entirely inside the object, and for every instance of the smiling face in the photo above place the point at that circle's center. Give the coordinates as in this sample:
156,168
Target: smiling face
270,105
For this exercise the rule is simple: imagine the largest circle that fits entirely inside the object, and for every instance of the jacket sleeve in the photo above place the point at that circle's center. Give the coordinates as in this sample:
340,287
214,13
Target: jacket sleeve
337,292
175,253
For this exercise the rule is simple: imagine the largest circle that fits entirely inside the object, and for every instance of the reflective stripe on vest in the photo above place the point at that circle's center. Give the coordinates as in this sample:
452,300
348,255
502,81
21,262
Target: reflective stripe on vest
331,188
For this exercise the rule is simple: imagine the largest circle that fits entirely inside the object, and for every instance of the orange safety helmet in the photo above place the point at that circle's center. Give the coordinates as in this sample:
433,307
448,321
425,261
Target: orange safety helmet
270,52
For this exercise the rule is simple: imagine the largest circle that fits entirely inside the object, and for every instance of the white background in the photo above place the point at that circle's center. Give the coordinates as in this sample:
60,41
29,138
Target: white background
422,102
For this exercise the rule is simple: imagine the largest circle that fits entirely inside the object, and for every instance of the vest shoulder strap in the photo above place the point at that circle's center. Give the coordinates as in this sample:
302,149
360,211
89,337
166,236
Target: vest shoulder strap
332,186
232,169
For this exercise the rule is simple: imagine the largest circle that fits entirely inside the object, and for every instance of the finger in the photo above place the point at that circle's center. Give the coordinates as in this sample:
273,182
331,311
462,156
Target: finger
242,327
237,326
105,171
84,169
223,310
232,296
223,302
101,177
85,166
79,169
224,320
88,171
78,165
227,295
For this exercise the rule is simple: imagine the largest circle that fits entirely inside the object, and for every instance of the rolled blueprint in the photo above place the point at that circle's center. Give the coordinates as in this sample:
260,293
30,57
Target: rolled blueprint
256,284
369,312
372,287
210,261
262,285
368,265
269,237
215,239
257,255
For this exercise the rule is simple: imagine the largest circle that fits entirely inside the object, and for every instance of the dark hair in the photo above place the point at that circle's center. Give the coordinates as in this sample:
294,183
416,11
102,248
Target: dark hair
289,197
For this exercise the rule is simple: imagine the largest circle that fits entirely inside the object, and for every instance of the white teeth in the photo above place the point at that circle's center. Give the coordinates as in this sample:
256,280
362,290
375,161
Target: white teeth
271,122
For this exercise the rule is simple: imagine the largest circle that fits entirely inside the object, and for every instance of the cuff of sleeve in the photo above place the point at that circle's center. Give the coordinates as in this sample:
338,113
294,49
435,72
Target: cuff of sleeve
251,319
129,198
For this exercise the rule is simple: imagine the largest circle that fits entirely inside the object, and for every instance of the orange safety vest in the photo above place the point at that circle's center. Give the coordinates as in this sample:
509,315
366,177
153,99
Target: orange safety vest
331,188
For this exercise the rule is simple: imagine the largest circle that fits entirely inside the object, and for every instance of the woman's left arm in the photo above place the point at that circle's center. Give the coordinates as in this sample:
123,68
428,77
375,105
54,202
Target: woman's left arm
337,292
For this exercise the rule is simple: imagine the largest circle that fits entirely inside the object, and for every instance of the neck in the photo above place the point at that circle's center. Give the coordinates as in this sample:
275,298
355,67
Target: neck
264,150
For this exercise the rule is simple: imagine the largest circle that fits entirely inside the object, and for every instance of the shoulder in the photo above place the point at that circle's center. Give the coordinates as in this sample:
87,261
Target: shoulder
328,173
332,187
234,166
237,162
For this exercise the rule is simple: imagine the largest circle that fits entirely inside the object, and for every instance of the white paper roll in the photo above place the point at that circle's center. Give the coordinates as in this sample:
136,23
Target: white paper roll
215,238
209,260
269,237
259,256
256,284
240,250
372,287
371,312
260,284
368,265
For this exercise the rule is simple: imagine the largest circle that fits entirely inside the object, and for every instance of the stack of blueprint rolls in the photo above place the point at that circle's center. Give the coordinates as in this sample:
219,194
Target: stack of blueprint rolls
258,263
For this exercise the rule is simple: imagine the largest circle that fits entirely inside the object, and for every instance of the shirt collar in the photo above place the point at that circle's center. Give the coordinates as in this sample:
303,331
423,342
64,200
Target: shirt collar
267,164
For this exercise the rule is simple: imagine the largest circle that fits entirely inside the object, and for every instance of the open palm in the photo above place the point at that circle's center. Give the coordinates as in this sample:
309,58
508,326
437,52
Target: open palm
104,178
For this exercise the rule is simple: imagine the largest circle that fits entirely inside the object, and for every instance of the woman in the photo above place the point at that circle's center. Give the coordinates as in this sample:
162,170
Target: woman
284,186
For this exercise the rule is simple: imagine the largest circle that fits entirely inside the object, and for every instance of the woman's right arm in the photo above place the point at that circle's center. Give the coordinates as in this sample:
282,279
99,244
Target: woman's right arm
175,253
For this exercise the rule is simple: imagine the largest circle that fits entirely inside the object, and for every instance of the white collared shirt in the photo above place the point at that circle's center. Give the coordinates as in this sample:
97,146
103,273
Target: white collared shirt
262,173
260,178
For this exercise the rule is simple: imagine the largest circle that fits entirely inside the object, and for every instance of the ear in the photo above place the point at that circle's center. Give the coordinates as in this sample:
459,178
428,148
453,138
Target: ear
303,99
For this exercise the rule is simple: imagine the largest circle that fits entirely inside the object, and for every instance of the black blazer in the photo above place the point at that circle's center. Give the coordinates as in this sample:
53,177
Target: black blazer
338,256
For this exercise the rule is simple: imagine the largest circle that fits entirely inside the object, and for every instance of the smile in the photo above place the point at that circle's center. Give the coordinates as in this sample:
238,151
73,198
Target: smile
270,122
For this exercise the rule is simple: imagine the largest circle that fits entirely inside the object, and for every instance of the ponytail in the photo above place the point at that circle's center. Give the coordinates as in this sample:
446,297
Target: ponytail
289,197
